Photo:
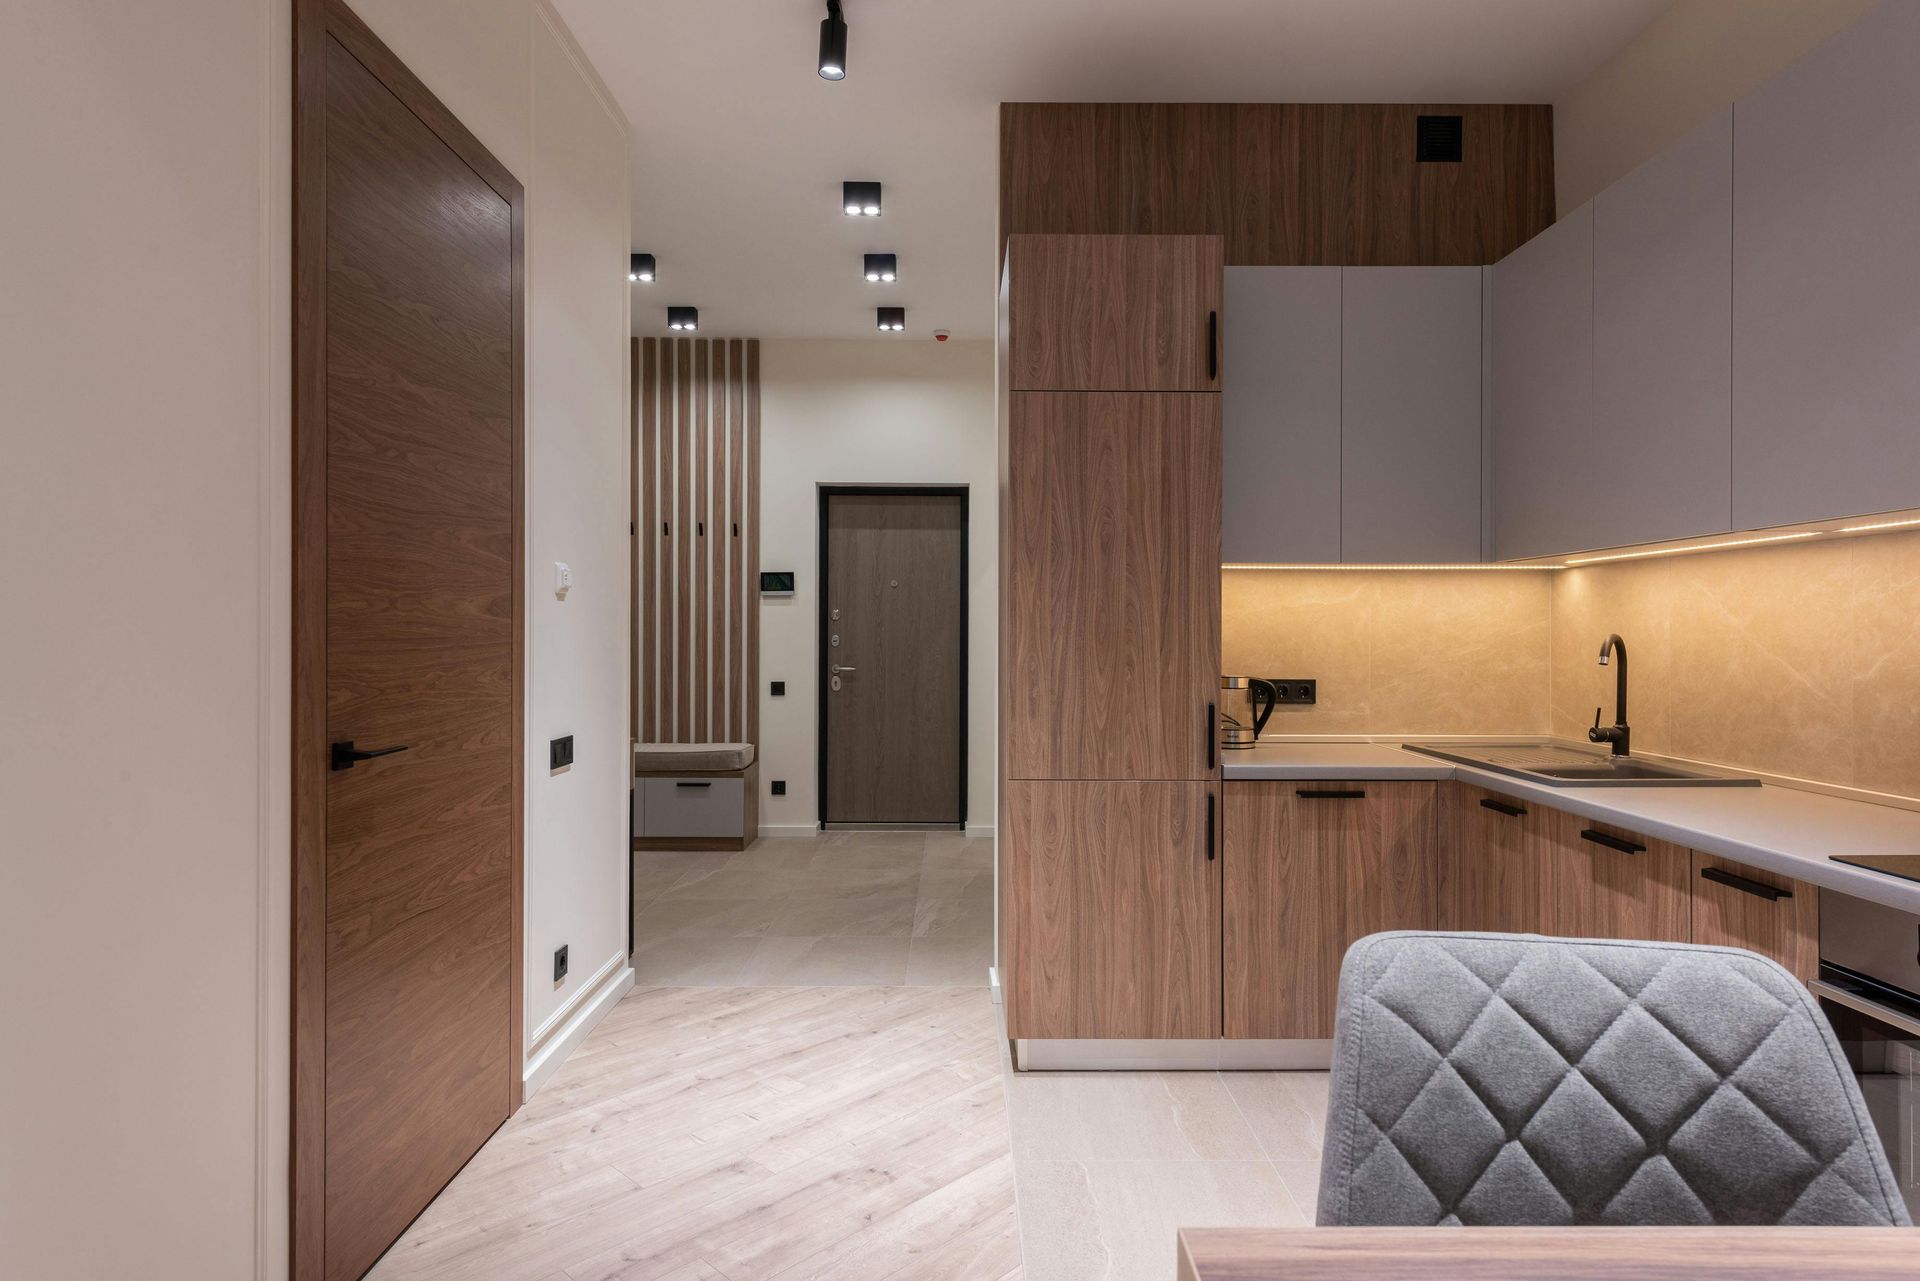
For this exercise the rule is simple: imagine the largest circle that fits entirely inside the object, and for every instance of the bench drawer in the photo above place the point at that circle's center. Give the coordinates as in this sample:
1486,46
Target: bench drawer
690,807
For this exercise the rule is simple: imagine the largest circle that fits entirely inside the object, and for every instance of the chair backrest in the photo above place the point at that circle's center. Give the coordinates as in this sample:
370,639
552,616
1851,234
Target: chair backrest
1512,1079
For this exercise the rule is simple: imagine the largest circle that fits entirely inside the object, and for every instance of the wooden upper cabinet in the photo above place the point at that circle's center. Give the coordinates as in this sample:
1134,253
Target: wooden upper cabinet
1110,554
1110,910
1113,313
1826,270
1308,868
1765,912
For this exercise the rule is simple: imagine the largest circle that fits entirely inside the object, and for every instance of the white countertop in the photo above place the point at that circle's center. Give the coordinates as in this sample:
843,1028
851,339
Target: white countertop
1782,829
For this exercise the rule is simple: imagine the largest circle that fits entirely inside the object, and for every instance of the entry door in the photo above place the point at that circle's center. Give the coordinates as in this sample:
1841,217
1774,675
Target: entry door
893,661
407,503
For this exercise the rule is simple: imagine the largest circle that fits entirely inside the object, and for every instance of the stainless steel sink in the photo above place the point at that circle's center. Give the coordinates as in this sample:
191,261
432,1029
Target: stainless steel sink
1558,766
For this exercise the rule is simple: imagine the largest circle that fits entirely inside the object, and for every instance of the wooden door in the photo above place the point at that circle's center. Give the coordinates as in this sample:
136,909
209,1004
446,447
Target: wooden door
1308,869
1111,909
407,624
1739,906
1114,313
1493,877
1110,650
893,725
1607,883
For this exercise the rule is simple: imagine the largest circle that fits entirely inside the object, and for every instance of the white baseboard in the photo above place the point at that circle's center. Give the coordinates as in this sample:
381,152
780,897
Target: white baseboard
993,982
980,829
569,1028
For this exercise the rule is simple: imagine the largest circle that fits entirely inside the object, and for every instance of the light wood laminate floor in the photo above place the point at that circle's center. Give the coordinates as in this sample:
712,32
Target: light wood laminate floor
723,1125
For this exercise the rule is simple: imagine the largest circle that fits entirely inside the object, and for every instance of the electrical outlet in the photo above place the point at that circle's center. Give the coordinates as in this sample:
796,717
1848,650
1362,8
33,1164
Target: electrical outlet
560,752
1300,692
779,787
560,963
779,688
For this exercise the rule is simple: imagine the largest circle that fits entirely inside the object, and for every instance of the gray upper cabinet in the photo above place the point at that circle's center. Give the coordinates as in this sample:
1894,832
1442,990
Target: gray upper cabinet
1662,346
1410,420
1826,300
1546,464
1281,414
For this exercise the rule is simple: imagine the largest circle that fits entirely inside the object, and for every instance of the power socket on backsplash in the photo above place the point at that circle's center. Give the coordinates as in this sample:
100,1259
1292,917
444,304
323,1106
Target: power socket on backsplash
1300,692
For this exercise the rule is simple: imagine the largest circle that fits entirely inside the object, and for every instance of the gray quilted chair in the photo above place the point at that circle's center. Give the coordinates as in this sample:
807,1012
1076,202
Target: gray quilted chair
1519,1080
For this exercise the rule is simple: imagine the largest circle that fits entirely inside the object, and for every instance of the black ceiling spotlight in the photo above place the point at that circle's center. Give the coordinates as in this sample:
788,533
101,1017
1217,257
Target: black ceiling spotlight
892,319
833,43
640,268
683,318
860,199
882,268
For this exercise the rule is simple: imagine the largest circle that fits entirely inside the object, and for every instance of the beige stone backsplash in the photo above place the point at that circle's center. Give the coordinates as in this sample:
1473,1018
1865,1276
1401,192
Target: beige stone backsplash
1802,660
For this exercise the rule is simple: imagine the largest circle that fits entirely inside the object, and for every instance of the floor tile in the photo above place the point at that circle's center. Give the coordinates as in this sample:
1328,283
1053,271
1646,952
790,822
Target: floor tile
873,914
827,962
1167,1116
943,961
692,960
1287,1110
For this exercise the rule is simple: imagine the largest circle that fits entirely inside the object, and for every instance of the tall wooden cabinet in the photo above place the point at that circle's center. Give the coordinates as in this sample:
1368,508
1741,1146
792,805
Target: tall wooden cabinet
1110,636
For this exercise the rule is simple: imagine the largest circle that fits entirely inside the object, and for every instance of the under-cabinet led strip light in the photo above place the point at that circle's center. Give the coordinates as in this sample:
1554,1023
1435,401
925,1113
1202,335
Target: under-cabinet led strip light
1509,569
1882,524
1694,547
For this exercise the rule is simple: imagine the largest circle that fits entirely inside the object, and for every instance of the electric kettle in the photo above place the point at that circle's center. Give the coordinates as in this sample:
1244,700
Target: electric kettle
1262,696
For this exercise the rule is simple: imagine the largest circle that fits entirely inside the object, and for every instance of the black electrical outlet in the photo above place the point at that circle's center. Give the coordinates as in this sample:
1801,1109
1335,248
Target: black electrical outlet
779,688
560,753
559,962
1296,691
779,787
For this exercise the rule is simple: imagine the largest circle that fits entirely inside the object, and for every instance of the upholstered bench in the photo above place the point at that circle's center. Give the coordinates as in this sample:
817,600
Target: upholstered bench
695,796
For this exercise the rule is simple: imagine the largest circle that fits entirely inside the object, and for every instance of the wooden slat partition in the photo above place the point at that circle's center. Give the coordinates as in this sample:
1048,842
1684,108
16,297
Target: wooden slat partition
697,531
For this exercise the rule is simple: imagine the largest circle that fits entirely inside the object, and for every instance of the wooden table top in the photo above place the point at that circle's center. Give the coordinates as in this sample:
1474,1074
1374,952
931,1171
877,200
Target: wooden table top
1540,1254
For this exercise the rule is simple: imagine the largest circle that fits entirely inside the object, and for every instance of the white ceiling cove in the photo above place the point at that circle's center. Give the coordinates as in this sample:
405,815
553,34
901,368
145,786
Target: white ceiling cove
740,147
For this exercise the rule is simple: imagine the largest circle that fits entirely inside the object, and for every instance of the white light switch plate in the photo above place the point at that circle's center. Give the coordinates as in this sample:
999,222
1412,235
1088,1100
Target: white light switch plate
562,578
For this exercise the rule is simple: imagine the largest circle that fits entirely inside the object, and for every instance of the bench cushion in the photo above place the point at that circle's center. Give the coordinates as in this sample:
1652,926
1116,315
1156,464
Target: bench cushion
691,758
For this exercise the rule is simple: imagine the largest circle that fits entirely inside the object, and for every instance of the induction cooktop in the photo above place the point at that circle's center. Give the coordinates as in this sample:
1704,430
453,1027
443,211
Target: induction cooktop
1905,866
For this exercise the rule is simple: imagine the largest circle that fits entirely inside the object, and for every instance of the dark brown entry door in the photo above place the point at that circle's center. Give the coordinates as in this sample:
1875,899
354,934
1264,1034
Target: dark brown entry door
417,414
895,619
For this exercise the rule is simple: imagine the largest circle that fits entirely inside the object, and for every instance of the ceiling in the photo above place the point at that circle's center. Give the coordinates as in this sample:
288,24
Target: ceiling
740,148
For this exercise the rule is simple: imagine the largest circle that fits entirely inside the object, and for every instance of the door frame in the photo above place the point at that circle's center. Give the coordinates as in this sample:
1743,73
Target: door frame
315,22
821,632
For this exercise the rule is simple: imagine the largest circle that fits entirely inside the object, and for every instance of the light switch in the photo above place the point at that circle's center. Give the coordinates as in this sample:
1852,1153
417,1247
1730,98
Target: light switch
562,578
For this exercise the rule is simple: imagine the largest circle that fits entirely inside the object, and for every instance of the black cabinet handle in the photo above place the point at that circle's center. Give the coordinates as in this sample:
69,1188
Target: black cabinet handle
1501,807
693,784
1330,793
1612,842
345,757
1746,885
1209,827
1213,346
1213,733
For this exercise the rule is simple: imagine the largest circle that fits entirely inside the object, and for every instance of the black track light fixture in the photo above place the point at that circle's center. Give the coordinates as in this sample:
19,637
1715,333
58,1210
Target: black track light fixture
687,318
882,269
860,199
891,319
640,269
833,43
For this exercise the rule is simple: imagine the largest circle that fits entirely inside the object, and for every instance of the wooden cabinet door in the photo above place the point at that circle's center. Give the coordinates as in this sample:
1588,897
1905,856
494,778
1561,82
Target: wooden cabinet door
1826,268
1492,875
1663,342
1110,910
1606,883
1110,554
1739,906
1310,867
1545,456
1113,313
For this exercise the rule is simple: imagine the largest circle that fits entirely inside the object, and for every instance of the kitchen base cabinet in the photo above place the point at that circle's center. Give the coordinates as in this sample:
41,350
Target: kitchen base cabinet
1110,910
1492,875
1739,906
1309,867
1606,883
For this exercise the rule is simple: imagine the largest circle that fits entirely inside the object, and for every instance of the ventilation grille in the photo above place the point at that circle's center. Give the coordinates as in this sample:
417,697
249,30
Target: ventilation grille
1437,139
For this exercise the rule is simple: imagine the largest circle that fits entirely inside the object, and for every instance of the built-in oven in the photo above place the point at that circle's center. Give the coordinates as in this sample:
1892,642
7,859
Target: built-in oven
1869,987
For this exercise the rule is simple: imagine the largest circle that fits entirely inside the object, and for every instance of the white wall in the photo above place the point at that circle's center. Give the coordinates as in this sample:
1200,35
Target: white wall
901,411
143,510
1691,61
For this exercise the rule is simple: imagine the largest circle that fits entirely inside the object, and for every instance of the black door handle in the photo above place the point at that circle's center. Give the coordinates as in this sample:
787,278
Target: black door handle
1746,885
1209,827
1213,346
1213,733
1501,807
1612,842
344,755
693,784
1331,793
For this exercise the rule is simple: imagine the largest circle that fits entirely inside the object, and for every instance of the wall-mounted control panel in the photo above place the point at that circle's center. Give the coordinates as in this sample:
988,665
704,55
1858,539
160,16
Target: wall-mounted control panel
560,963
560,752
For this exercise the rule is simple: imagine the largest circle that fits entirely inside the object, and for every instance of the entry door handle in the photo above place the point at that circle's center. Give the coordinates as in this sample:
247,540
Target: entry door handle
836,669
345,756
